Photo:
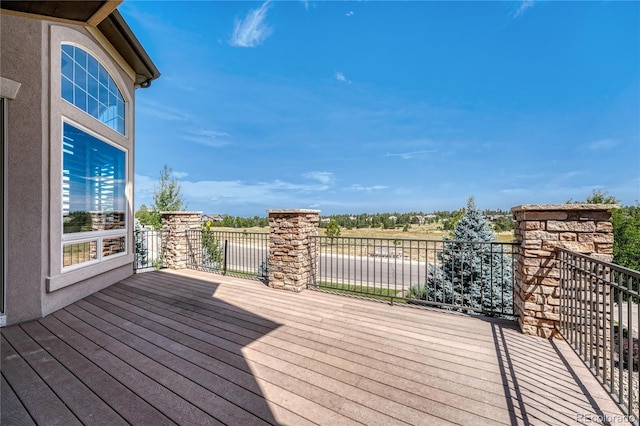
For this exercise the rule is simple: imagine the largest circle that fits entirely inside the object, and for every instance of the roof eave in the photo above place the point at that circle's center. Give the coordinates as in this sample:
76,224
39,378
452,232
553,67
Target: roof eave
116,30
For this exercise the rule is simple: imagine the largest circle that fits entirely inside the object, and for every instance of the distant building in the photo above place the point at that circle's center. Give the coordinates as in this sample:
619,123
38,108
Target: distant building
212,218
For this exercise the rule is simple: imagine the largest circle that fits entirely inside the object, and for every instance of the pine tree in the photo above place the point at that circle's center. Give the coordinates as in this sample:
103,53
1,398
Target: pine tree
472,272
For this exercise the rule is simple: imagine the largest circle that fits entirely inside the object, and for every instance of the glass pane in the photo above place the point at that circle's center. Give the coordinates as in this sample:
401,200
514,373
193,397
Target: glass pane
92,66
80,77
81,57
68,49
89,76
93,87
103,77
120,125
80,98
67,66
103,95
67,90
94,176
112,246
92,106
76,253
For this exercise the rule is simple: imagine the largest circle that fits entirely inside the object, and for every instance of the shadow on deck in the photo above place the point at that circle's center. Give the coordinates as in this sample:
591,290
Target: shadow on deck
194,348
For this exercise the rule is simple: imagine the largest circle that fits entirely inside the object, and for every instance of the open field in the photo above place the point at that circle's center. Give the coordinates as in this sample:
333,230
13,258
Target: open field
421,232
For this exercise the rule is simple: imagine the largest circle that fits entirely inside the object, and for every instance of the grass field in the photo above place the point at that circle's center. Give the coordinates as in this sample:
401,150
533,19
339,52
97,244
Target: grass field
418,232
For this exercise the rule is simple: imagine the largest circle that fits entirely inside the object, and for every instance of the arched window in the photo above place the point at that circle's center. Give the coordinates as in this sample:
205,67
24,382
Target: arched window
87,85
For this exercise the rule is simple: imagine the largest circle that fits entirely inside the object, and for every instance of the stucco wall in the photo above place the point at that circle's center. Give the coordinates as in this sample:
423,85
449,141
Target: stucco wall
27,203
34,151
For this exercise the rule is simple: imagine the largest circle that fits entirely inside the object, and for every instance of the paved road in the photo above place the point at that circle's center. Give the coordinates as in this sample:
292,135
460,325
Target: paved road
376,271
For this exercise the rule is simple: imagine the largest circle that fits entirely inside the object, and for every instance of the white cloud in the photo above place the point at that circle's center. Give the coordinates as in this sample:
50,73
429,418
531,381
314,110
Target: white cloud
161,111
408,155
179,175
349,13
144,186
524,5
360,188
340,77
209,138
322,177
180,83
252,30
603,144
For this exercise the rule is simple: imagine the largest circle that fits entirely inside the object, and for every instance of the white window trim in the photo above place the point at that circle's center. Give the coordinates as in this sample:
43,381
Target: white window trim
126,102
62,111
78,237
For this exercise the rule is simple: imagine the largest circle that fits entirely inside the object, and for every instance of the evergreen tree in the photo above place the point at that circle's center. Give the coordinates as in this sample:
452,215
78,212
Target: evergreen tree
472,271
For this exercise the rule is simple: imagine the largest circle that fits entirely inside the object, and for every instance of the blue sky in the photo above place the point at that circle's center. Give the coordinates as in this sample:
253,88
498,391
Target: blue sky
352,107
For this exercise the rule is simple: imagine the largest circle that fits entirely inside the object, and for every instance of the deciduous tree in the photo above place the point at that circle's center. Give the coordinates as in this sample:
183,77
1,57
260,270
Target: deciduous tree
166,197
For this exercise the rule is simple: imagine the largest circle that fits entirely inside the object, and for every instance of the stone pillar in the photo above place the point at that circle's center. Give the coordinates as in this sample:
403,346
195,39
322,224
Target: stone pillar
292,250
539,230
175,226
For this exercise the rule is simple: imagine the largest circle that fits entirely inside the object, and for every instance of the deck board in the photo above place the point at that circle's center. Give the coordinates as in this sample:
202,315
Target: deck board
42,404
190,347
71,391
11,409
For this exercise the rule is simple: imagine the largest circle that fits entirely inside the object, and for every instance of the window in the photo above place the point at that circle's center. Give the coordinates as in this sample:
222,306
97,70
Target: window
87,85
93,197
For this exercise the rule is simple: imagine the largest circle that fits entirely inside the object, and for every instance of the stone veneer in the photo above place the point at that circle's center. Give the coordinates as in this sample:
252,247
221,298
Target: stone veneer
176,225
539,230
292,252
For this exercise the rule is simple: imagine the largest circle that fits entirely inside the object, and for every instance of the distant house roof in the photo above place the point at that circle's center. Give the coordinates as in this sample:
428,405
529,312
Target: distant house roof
102,15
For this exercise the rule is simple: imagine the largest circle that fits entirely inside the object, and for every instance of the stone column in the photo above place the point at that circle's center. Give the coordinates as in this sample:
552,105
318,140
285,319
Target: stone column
292,250
539,230
175,226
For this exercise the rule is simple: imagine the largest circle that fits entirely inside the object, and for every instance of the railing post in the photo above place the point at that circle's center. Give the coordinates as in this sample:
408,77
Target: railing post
175,226
226,253
292,252
540,230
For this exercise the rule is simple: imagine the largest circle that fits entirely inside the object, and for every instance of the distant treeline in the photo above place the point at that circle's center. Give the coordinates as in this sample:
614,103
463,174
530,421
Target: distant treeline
501,220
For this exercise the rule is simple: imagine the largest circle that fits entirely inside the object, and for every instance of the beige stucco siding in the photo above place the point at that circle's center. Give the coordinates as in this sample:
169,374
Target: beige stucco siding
30,55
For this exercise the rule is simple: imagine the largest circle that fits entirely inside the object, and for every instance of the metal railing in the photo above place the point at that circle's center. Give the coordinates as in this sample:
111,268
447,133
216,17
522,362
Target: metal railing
242,254
462,275
149,246
600,318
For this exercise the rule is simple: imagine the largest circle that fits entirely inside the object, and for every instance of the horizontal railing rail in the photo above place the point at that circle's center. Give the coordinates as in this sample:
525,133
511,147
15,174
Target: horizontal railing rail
242,254
462,275
600,318
149,247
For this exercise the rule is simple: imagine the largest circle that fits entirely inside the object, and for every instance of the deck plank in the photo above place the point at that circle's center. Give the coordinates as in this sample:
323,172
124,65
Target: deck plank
42,404
162,398
80,399
324,374
11,409
199,348
458,384
123,400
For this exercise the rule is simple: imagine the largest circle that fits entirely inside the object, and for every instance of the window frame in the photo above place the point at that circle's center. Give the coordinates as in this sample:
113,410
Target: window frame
99,235
109,79
60,111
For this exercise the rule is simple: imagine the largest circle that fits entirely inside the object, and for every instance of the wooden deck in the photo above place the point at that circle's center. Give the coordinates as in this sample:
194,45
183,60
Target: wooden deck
195,348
